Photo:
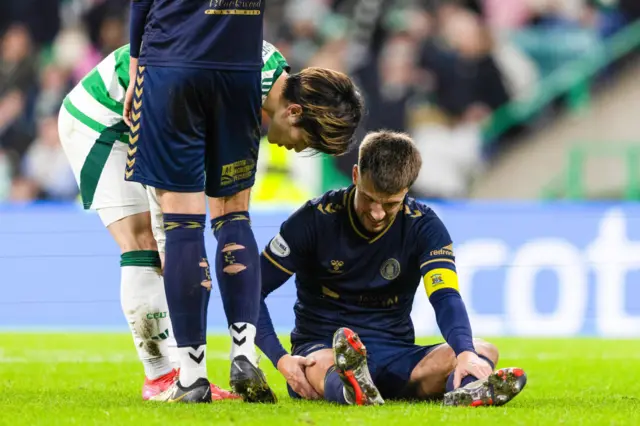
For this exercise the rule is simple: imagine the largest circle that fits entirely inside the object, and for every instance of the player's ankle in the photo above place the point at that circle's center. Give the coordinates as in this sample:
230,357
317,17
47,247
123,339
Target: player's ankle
334,389
348,396
193,364
243,336
155,368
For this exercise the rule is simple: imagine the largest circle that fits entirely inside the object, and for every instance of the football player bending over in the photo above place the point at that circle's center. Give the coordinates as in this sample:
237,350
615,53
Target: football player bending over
95,140
358,255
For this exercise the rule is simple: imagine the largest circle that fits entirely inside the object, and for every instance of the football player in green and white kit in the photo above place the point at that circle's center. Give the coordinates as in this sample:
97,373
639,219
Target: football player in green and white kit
316,108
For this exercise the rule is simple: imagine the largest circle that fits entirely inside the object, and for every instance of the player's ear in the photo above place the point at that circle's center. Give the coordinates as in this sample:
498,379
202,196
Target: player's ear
355,174
295,111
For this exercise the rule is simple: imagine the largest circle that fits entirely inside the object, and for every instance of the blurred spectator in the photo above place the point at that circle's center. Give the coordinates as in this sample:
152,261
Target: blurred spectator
74,53
17,75
468,82
46,166
557,32
41,18
53,88
451,150
105,22
23,190
5,176
630,9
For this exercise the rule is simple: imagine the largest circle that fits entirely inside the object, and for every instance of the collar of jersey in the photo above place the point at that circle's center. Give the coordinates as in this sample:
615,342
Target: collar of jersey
355,224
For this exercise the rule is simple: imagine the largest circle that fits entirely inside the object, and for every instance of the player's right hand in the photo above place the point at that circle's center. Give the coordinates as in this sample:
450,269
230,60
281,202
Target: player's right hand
128,100
470,363
293,367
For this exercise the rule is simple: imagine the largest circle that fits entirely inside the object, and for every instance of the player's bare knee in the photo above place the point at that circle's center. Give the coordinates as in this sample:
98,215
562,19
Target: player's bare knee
487,349
234,203
435,367
138,241
147,241
316,374
182,202
448,360
323,363
230,251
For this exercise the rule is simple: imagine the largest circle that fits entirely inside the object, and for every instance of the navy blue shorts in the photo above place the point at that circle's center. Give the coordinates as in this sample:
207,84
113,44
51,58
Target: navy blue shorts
195,129
390,364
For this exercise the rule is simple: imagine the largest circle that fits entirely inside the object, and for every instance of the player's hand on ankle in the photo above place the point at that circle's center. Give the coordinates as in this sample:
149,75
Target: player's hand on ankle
293,369
469,363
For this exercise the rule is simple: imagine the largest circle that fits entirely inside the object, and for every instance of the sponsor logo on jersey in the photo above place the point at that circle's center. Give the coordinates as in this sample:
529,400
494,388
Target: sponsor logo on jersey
279,246
444,251
378,301
336,267
234,172
234,7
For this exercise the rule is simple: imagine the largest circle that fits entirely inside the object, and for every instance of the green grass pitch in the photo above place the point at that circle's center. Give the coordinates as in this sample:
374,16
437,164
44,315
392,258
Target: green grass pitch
90,379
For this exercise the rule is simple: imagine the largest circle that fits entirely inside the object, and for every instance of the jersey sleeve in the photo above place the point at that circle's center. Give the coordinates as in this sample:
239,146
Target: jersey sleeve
294,245
437,266
274,64
437,262
273,59
122,60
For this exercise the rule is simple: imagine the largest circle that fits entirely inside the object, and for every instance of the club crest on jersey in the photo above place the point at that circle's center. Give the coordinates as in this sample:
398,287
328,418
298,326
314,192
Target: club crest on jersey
336,267
390,269
279,246
436,279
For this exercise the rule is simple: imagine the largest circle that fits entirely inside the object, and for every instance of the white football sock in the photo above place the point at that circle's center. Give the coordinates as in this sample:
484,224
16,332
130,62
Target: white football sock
243,339
193,364
174,354
145,307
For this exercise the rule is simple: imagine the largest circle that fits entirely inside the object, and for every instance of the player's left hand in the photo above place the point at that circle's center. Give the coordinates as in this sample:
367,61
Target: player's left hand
470,363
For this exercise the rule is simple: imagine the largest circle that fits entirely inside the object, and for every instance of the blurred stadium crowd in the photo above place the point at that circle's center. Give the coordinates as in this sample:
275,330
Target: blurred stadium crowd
433,68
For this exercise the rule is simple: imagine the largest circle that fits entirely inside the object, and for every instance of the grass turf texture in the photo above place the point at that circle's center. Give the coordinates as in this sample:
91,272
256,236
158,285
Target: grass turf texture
88,379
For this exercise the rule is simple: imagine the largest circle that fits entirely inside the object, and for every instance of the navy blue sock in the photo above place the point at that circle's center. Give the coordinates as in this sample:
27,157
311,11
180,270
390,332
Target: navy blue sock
186,274
333,387
238,273
468,379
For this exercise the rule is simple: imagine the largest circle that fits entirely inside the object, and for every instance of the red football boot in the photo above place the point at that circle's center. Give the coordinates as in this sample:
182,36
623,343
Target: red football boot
350,357
218,394
154,387
499,388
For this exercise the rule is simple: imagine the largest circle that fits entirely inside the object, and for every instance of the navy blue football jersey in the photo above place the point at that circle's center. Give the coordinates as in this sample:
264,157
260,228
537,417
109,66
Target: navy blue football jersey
217,34
348,277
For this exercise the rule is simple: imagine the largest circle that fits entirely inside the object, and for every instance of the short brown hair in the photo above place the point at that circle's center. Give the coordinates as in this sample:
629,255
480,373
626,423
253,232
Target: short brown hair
332,108
390,159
